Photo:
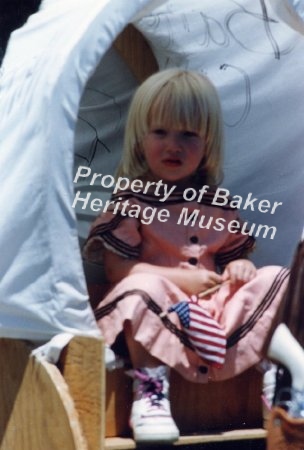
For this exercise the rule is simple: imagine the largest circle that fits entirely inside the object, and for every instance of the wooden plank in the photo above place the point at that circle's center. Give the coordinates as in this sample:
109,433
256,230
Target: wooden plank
36,411
231,404
135,50
228,436
82,365
116,443
118,403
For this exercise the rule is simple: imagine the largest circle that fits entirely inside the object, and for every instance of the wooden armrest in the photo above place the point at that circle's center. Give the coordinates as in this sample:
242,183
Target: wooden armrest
43,407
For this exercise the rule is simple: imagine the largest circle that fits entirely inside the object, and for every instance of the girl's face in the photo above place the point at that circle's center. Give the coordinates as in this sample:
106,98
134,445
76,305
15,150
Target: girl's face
173,155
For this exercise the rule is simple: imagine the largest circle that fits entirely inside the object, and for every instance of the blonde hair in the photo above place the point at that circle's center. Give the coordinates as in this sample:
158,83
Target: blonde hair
178,99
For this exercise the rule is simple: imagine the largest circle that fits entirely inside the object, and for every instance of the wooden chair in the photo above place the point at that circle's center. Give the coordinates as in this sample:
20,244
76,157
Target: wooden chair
77,405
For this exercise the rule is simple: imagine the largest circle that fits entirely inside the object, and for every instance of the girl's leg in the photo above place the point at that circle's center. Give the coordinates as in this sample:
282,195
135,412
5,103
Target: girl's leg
138,354
285,349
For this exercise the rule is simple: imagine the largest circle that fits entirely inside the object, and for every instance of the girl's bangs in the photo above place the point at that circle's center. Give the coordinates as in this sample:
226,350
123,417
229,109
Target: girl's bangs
177,111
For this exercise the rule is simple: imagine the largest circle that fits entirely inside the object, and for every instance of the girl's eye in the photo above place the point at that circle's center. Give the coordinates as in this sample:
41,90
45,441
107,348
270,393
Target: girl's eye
189,134
159,132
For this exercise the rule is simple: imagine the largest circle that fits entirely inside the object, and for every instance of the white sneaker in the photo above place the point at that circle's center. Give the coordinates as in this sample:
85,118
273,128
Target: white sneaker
151,419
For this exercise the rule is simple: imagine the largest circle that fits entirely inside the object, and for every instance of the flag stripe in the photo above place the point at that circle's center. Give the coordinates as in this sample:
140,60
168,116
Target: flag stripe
218,342
199,328
196,317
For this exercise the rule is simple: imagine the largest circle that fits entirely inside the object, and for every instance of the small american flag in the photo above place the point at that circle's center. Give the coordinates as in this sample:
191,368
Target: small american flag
204,333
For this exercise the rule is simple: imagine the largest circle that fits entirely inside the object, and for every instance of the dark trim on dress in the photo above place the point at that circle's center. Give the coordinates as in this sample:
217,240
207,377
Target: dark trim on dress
262,307
152,306
232,340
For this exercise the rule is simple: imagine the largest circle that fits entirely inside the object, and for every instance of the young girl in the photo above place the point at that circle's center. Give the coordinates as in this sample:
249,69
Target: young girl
173,142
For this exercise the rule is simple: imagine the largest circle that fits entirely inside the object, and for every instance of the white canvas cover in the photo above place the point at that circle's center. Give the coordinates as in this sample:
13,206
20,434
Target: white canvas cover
48,63
45,69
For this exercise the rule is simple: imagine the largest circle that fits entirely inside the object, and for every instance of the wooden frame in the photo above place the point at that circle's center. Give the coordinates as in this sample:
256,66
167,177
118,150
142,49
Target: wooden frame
135,50
68,406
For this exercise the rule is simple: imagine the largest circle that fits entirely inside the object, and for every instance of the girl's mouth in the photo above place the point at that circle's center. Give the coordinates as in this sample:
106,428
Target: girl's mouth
173,162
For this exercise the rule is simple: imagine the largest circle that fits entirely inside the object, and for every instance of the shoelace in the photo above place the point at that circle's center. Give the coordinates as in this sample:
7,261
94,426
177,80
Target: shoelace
151,388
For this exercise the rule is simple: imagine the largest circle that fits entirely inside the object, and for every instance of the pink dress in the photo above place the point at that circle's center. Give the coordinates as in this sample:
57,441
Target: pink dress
191,235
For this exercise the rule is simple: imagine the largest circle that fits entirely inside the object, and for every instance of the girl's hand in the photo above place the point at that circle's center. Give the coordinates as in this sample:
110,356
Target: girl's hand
199,280
192,282
239,271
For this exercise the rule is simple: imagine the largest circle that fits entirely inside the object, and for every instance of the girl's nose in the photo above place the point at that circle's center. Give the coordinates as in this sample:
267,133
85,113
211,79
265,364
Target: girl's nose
174,142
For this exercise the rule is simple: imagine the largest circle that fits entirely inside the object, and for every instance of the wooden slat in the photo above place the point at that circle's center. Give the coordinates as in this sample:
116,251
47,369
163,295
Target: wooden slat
118,403
231,404
84,372
137,53
228,436
36,412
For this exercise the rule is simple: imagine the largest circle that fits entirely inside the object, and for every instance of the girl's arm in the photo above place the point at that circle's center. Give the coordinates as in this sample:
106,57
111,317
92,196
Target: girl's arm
190,281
